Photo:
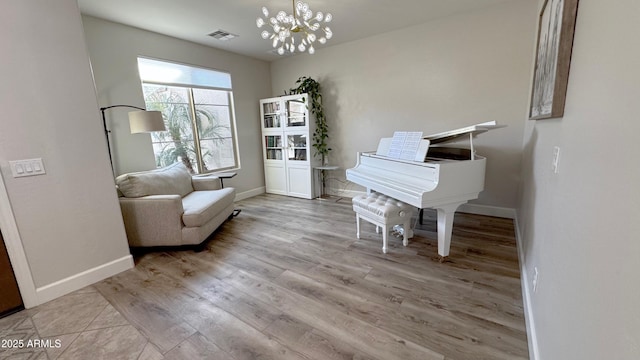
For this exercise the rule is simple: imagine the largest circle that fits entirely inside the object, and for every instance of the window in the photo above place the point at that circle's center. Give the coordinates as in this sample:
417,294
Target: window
197,107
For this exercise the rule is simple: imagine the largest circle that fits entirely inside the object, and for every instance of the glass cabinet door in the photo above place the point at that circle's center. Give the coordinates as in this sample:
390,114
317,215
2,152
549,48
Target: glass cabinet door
297,147
273,147
271,115
296,113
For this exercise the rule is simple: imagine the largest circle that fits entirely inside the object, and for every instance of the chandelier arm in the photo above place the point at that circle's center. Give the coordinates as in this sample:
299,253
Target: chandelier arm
285,27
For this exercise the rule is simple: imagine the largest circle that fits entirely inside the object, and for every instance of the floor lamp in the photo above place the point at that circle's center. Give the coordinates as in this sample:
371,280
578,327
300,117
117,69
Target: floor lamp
141,121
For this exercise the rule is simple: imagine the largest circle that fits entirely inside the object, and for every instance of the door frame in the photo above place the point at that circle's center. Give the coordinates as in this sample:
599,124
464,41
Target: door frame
15,249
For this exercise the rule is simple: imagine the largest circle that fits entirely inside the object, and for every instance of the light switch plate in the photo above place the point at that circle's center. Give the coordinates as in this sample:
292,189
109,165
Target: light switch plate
27,167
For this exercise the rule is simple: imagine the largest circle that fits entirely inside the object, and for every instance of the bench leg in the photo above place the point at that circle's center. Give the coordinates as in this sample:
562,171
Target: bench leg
358,226
385,233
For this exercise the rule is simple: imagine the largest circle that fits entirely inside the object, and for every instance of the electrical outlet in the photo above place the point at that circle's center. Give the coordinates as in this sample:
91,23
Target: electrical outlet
556,159
535,279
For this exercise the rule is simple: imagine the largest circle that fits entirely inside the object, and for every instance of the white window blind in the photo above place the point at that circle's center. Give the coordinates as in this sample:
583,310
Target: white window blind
154,71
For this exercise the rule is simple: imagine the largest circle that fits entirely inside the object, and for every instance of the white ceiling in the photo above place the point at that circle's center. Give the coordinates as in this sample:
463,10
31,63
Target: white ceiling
192,20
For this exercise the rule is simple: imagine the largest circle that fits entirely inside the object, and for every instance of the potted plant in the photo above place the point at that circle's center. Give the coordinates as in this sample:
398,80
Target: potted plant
312,88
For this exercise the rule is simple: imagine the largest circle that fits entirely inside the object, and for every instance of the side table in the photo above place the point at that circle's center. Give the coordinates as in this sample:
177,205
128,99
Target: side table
321,170
225,175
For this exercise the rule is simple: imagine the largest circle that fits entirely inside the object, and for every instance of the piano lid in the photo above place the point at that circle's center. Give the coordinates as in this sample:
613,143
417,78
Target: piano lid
453,135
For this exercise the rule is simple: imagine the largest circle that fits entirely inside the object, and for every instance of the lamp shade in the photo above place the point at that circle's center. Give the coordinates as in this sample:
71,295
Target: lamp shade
145,121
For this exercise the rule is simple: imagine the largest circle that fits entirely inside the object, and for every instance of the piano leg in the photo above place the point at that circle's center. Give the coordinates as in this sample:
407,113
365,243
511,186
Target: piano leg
445,226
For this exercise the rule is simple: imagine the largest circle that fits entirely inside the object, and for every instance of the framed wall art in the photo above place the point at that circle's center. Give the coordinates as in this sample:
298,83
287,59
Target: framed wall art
553,58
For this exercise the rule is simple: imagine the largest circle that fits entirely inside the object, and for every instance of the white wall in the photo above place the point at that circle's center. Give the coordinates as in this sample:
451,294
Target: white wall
68,220
114,49
581,227
442,75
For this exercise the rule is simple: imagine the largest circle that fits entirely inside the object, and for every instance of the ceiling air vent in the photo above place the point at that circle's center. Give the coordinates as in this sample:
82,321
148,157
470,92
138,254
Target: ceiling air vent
222,35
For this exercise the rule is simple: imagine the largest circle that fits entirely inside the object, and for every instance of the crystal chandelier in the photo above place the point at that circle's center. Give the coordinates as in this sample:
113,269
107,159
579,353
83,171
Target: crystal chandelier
296,30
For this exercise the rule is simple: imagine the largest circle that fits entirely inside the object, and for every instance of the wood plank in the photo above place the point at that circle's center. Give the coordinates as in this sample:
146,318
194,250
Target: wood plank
473,336
288,279
360,334
236,337
192,273
197,347
312,342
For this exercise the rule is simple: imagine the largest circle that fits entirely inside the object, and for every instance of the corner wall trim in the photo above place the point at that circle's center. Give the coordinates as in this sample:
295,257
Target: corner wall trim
532,339
85,278
15,250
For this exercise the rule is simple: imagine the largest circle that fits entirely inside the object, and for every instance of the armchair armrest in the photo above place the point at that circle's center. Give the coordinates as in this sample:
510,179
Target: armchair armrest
154,220
207,182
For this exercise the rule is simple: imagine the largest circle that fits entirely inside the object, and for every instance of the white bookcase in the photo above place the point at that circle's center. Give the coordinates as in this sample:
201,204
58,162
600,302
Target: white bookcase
287,132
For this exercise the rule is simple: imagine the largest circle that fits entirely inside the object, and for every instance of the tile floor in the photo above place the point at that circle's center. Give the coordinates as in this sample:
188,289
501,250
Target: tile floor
81,325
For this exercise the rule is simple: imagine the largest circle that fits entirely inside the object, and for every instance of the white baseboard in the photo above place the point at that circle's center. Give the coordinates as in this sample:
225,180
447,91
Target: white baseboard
250,193
487,210
85,278
532,338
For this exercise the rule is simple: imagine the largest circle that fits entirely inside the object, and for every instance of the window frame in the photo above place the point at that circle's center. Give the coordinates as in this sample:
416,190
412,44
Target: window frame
192,114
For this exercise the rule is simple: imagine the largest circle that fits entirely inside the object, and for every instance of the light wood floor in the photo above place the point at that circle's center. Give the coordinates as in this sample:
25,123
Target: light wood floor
287,279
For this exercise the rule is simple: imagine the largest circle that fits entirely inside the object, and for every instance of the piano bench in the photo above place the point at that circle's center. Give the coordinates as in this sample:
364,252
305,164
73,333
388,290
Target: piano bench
384,212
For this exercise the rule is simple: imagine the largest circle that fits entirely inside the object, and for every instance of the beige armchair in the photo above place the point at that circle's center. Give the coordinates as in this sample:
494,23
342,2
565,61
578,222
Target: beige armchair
170,207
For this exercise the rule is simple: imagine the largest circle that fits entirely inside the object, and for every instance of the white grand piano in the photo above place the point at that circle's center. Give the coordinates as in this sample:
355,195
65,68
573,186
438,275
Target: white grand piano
443,180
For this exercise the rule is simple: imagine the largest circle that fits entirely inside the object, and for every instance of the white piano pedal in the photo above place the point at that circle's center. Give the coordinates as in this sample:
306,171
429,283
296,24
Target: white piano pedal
399,232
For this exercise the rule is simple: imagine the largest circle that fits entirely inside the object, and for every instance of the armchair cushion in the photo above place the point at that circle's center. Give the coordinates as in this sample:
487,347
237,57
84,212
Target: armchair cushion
173,179
206,182
202,206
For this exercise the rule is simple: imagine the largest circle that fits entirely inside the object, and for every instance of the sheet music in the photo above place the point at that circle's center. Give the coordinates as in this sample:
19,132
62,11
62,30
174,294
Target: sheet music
383,147
405,144
423,148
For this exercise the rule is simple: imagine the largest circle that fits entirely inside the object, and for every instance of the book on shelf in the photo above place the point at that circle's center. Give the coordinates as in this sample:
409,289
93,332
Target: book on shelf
271,108
274,154
271,121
